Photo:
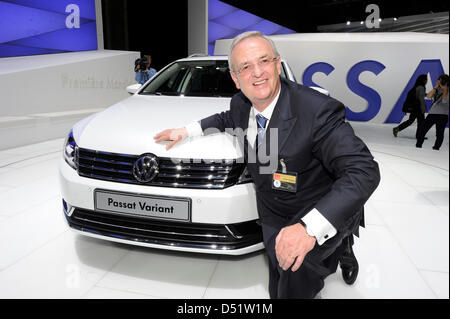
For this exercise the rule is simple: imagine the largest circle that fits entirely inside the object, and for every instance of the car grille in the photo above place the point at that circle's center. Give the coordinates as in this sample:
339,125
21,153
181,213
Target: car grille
178,234
183,173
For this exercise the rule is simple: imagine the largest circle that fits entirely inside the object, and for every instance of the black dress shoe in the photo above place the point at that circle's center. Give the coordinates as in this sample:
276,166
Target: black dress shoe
395,131
349,264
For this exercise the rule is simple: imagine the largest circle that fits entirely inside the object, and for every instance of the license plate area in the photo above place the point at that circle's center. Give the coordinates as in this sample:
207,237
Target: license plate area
149,206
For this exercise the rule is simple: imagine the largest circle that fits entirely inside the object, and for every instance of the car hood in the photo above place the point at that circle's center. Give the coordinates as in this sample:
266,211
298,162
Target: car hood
129,126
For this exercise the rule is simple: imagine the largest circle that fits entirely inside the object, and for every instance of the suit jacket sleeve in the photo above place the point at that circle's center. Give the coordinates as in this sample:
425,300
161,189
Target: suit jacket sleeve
225,120
356,175
219,121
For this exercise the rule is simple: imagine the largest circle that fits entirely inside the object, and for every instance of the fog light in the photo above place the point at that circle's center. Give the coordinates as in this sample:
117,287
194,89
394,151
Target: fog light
68,209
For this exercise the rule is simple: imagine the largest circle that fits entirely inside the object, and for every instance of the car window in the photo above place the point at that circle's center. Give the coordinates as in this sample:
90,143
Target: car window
195,78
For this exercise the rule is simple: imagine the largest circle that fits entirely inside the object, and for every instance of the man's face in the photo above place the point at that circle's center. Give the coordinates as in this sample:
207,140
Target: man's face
259,80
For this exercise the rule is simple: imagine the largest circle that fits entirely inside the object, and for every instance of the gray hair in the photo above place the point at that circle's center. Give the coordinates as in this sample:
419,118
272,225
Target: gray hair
246,35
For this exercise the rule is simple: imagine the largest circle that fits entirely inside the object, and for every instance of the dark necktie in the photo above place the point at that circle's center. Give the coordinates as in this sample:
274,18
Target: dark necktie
261,122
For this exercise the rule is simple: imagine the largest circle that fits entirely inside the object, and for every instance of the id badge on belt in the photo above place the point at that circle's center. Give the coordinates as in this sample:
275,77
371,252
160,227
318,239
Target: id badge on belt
284,180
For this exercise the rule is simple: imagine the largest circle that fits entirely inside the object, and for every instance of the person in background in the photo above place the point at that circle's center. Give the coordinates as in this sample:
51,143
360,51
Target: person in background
419,111
438,114
143,70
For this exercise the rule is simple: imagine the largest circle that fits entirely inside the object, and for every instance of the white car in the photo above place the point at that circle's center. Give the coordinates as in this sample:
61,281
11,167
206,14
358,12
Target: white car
118,184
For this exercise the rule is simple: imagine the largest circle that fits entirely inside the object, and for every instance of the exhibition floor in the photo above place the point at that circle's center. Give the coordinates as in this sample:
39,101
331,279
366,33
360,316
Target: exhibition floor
403,252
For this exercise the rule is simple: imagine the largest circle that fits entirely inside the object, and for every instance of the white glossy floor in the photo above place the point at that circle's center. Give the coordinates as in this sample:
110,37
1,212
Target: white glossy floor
403,252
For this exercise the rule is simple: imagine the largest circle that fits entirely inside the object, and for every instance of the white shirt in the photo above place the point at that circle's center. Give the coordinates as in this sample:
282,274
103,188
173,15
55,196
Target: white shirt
316,224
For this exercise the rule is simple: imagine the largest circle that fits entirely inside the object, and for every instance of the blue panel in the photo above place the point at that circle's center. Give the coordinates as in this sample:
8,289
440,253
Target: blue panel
211,49
238,19
19,22
59,6
65,39
219,31
13,50
226,22
218,9
29,27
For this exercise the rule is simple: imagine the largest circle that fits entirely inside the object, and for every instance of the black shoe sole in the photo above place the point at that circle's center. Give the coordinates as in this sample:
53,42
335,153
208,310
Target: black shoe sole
350,274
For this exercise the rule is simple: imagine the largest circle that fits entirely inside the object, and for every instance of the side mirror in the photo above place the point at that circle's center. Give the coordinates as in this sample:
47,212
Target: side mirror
323,91
132,89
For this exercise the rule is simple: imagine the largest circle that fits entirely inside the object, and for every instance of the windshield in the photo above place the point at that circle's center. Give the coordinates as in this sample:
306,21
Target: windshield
208,78
194,78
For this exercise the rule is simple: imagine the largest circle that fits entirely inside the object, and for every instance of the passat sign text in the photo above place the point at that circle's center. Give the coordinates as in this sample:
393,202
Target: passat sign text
432,67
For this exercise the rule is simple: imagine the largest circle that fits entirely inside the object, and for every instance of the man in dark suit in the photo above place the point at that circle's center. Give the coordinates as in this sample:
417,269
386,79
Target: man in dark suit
310,203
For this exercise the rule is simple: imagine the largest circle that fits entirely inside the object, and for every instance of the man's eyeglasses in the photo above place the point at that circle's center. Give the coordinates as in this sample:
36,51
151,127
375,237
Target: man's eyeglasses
248,68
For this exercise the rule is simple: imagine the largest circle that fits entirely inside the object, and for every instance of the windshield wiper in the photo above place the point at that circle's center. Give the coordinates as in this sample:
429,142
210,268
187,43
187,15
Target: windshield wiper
161,93
167,93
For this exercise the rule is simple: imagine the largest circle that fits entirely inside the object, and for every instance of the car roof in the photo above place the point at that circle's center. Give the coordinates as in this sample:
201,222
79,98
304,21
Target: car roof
203,57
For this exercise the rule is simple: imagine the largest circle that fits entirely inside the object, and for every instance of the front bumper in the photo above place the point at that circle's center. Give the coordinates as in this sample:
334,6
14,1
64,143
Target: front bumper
223,221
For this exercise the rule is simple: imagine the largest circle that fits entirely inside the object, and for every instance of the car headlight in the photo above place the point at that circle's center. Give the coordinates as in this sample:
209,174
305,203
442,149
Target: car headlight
245,177
70,149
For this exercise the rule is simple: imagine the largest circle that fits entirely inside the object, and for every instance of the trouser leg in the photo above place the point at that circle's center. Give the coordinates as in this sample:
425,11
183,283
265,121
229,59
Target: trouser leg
273,280
441,122
305,283
308,280
420,120
425,127
408,122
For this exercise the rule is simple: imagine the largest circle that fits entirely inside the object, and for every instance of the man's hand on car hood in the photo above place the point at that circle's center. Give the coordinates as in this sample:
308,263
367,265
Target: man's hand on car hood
174,135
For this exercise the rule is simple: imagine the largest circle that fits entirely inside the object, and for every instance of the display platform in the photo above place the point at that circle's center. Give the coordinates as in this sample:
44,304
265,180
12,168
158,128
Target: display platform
42,259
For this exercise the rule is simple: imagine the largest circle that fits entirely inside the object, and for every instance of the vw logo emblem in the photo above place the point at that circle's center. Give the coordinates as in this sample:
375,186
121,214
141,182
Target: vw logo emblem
146,168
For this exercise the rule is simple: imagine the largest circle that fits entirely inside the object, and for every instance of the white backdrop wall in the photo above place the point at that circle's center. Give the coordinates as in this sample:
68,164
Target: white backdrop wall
369,72
64,82
42,96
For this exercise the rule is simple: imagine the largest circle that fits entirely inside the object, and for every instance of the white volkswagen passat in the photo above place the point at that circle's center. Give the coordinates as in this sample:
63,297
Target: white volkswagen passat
118,184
